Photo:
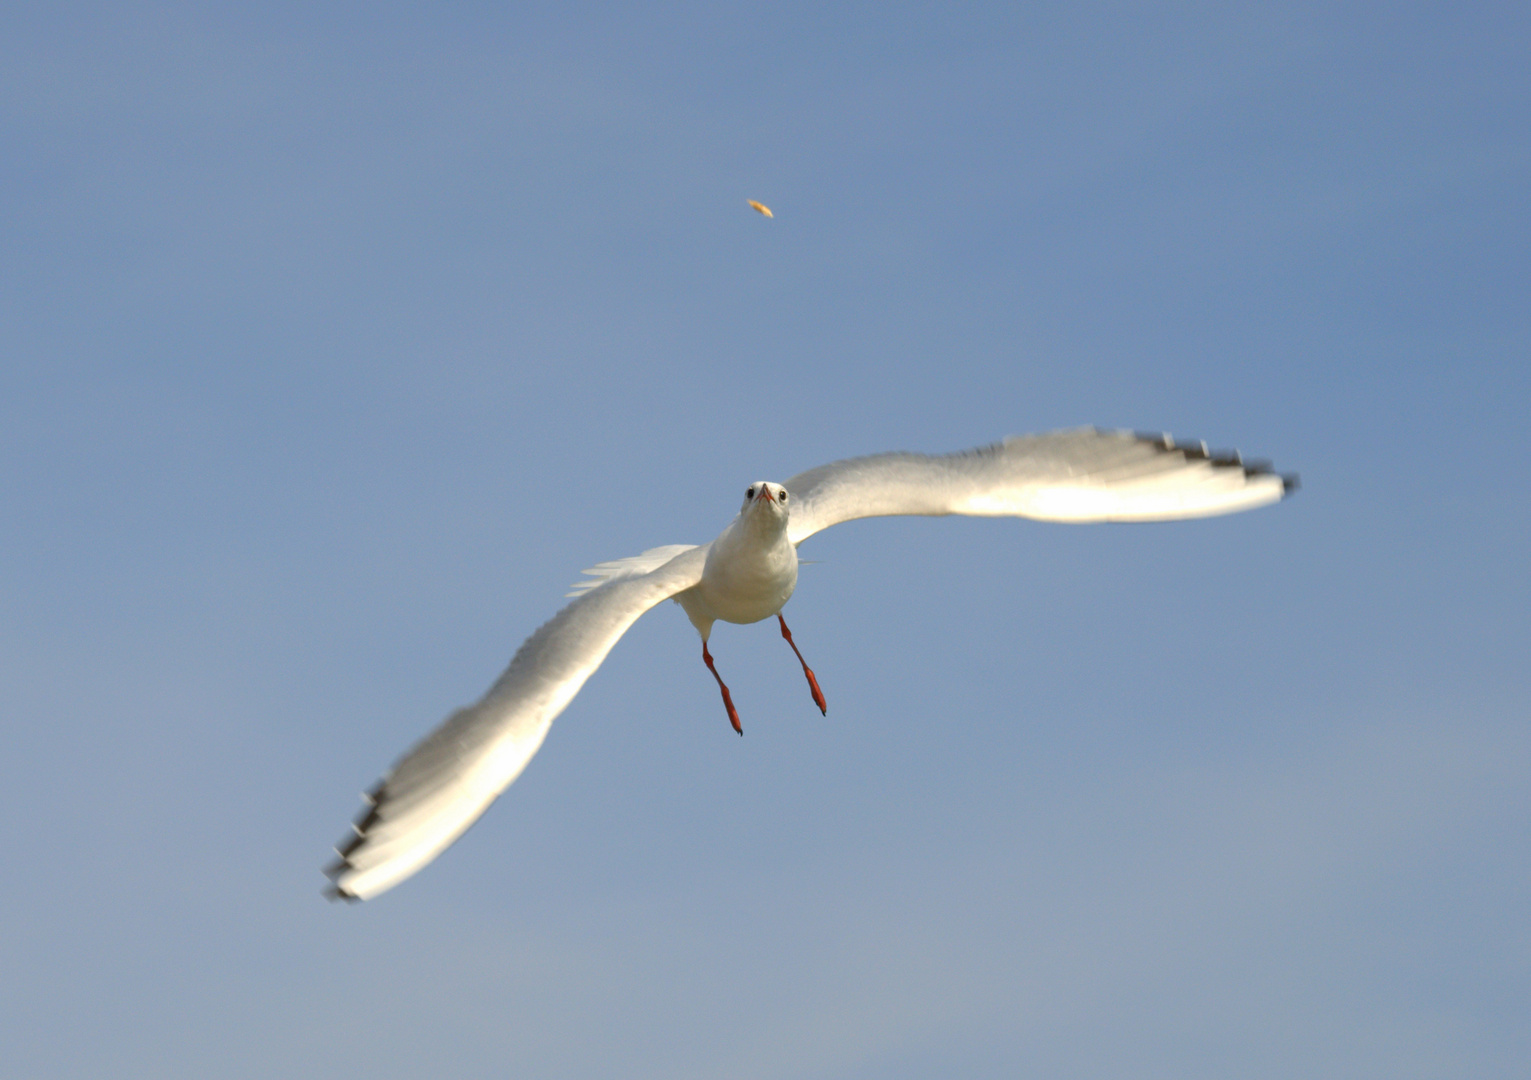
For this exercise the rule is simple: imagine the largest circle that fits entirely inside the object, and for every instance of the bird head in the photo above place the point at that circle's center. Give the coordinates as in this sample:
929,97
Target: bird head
764,497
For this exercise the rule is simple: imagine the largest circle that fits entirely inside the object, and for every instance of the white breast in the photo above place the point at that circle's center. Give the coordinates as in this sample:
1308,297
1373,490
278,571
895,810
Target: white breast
748,576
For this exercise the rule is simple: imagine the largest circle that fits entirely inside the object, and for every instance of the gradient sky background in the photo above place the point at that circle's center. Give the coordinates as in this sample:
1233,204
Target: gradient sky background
335,341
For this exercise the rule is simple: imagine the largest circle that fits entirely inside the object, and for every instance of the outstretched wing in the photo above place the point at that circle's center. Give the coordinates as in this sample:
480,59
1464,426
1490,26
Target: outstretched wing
1081,475
448,780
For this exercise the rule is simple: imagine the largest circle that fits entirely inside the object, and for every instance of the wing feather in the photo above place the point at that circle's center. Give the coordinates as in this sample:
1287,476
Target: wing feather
652,559
446,782
1081,475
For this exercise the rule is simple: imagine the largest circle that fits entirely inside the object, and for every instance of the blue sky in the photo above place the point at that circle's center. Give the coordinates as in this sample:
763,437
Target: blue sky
334,343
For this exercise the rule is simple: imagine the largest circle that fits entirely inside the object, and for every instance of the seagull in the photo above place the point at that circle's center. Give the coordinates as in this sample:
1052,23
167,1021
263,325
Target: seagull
446,781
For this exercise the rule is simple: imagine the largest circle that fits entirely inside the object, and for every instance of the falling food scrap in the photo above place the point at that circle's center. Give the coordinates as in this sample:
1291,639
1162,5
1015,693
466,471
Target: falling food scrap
766,210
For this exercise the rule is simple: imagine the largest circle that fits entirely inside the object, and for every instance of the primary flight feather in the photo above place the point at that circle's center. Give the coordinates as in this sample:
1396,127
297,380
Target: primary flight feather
448,779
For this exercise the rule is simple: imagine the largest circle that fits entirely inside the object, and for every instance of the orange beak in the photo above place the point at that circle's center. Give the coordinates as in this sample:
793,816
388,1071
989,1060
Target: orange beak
765,493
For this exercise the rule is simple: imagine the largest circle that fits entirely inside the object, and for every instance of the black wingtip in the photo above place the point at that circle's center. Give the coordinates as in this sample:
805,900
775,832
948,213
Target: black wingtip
369,816
335,892
347,847
1223,459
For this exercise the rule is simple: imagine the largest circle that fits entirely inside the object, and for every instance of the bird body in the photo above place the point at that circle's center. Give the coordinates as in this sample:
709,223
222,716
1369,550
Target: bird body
447,780
751,568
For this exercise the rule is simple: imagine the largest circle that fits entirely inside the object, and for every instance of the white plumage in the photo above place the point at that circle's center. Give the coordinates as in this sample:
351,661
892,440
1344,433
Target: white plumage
442,785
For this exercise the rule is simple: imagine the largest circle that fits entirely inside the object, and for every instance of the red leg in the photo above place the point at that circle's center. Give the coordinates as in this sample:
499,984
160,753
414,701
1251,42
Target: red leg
728,701
813,684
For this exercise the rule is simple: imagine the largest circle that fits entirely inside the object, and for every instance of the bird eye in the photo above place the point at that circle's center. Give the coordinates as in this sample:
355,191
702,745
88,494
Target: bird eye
783,496
749,493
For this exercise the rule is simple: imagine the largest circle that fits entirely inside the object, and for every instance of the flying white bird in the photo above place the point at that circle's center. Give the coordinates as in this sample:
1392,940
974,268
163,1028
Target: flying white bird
442,785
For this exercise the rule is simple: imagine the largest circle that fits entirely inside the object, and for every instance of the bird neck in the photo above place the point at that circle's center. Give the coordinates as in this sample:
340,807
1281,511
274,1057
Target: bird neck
764,527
